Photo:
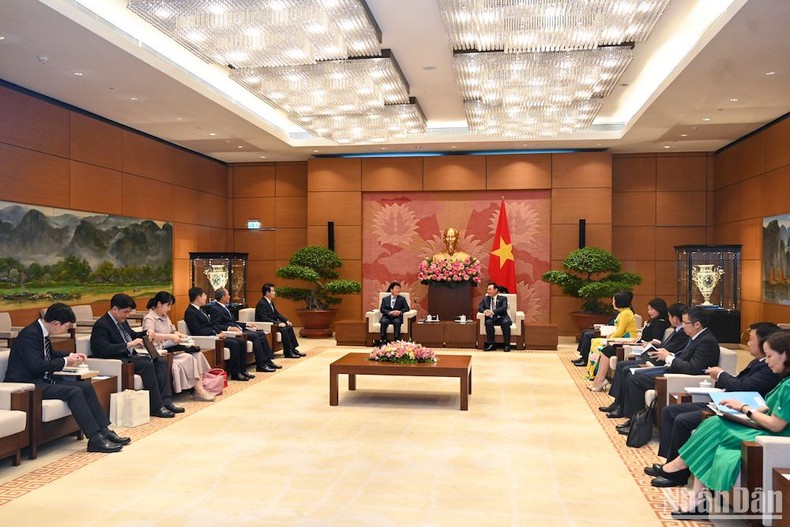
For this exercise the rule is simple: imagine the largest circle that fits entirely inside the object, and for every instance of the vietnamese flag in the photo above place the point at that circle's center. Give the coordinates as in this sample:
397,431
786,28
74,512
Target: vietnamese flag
502,264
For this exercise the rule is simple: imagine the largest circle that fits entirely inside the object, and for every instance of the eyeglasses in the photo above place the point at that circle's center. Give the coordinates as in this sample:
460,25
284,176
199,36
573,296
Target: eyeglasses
687,323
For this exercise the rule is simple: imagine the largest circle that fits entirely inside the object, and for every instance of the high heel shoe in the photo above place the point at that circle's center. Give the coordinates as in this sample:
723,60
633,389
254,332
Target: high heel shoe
604,387
205,396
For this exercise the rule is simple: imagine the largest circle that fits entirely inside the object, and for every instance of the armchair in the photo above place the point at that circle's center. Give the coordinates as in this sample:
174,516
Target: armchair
517,327
14,414
7,331
221,353
374,319
275,339
85,318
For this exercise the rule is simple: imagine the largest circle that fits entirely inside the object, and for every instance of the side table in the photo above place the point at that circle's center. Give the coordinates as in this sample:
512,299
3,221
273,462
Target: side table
445,334
429,334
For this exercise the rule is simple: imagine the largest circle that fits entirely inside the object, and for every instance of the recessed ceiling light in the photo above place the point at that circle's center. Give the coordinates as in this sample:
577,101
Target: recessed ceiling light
315,151
212,134
179,118
429,68
263,157
666,146
684,135
383,147
78,73
733,99
132,98
239,146
706,119
452,146
771,73
2,37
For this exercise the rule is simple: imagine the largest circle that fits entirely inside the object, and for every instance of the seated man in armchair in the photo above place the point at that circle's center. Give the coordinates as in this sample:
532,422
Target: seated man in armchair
494,307
392,309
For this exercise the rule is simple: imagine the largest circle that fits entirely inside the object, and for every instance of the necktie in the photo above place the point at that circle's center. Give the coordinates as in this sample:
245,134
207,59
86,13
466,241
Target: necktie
124,334
48,357
392,302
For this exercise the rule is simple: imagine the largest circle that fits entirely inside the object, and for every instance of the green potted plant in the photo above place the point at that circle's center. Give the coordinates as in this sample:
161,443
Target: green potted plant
318,267
592,274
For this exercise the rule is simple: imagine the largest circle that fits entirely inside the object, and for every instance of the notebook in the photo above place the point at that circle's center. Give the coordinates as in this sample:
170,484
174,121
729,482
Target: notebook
150,348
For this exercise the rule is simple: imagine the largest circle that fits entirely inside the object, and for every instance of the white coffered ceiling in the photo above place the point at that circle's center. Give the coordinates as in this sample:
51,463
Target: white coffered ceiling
721,89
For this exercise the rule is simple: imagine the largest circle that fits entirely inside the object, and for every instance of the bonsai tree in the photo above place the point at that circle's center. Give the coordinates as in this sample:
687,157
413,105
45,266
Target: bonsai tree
317,266
591,274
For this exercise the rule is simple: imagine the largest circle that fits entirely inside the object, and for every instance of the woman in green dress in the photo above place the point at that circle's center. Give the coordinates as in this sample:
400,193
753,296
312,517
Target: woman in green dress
713,454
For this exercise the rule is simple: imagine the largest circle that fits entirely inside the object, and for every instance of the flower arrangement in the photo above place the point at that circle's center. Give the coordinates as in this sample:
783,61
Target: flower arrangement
449,272
403,352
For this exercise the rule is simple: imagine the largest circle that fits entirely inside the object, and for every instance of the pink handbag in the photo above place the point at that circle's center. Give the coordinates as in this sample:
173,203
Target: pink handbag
215,380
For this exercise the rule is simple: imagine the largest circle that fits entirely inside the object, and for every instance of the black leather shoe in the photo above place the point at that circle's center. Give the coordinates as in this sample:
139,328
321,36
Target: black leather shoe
99,443
489,347
297,352
615,414
273,365
292,356
627,424
175,409
690,515
163,412
265,369
608,409
671,479
653,470
239,377
111,436
248,375
579,362
506,349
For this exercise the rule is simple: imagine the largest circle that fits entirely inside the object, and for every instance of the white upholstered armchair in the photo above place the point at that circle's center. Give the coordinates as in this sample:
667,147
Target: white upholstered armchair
516,328
374,319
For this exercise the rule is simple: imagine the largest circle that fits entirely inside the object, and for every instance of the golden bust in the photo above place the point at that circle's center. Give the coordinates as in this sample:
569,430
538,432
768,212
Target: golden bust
450,242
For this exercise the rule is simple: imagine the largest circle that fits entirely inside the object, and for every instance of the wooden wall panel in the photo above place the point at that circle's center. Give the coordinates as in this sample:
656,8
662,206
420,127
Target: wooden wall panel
570,205
681,208
135,193
583,169
565,238
212,178
518,172
259,272
258,244
143,156
774,312
33,124
667,281
344,208
290,212
668,237
634,243
392,174
181,283
32,177
647,270
94,188
454,173
634,173
288,241
681,173
751,280
290,179
96,142
189,238
633,208
774,192
776,149
348,240
740,161
561,309
254,181
253,208
334,174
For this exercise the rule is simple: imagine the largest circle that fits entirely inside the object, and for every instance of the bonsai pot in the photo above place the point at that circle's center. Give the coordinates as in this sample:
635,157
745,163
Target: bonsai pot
316,323
585,320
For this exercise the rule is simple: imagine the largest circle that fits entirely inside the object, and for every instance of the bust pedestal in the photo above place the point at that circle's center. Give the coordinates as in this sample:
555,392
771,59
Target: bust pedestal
450,302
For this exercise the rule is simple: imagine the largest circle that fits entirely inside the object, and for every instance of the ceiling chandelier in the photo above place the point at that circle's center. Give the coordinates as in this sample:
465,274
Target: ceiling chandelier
316,60
539,68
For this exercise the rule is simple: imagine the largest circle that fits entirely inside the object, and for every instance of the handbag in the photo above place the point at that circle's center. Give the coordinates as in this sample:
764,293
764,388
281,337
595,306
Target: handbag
641,430
129,408
215,380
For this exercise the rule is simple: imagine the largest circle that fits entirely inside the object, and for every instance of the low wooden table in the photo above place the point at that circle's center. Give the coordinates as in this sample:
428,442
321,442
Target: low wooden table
445,334
354,364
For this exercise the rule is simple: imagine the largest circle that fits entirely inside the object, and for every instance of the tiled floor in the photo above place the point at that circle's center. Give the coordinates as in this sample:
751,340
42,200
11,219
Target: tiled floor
531,450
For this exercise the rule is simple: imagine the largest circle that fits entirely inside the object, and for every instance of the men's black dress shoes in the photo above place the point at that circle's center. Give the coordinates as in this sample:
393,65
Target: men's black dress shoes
248,375
506,349
627,424
273,365
611,408
175,409
290,355
615,414
696,514
239,377
489,347
671,479
111,436
265,369
579,362
99,443
163,412
653,470
297,352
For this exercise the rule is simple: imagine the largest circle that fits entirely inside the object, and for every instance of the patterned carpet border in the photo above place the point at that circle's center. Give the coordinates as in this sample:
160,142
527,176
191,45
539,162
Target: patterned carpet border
635,459
64,466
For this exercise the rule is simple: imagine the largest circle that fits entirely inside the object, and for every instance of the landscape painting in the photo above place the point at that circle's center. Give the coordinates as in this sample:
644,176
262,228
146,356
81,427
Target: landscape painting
55,255
776,259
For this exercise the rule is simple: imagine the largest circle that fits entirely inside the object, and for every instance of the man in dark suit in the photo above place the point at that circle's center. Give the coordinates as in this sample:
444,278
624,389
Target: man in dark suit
112,338
223,320
199,324
392,309
675,342
494,307
265,311
678,421
33,360
701,352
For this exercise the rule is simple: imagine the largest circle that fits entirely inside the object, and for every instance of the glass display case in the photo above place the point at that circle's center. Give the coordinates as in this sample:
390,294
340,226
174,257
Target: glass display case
710,276
214,270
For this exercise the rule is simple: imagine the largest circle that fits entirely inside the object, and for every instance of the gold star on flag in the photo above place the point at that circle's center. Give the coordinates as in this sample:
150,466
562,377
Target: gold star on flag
504,252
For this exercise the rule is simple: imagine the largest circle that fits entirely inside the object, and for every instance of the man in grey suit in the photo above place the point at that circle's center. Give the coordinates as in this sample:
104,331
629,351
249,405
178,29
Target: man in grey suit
494,307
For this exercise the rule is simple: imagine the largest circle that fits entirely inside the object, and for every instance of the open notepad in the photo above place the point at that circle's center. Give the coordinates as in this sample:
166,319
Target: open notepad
753,399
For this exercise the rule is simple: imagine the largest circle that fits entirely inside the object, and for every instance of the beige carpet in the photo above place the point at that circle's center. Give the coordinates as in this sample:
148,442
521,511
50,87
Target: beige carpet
531,450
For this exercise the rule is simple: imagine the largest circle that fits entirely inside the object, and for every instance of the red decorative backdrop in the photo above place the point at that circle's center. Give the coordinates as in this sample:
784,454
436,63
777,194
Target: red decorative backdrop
401,229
